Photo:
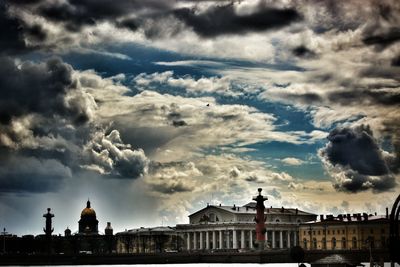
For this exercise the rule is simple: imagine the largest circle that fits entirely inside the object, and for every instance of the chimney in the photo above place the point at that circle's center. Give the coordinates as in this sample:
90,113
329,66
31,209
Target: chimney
297,211
220,204
247,208
348,217
238,208
321,217
282,209
387,213
358,216
340,217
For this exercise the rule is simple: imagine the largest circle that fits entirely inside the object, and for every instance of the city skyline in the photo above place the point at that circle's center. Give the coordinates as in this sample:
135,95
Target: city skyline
152,109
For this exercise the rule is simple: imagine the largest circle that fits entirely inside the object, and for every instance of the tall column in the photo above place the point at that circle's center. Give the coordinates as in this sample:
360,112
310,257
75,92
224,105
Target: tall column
242,243
234,239
201,240
280,239
188,241
295,237
207,240
194,240
288,238
273,239
214,239
227,239
220,240
251,238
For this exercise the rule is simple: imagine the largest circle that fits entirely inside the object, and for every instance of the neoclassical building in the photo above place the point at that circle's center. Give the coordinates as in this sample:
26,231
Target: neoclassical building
345,231
218,227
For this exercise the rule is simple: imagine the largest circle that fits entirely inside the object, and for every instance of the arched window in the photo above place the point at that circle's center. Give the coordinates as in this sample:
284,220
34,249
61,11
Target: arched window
314,241
299,221
343,243
305,243
333,243
323,243
354,241
277,220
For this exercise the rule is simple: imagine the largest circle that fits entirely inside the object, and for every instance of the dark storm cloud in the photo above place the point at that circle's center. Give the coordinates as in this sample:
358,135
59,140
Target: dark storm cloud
221,20
20,174
358,161
12,33
303,52
76,14
396,61
38,88
383,39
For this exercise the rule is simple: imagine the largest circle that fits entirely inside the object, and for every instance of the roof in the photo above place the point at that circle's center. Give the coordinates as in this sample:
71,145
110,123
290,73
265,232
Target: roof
249,208
143,230
350,219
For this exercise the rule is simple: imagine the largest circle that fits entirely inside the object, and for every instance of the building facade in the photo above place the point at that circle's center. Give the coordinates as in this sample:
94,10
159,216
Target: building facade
233,228
148,240
345,232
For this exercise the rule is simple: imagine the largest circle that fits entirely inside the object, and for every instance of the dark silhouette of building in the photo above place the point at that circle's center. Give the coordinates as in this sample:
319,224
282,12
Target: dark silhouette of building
88,224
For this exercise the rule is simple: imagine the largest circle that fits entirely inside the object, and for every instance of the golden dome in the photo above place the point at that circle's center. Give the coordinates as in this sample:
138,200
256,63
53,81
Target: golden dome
88,211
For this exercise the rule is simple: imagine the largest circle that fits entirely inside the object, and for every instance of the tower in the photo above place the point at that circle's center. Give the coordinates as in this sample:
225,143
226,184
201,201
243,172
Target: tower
260,218
48,229
88,224
109,229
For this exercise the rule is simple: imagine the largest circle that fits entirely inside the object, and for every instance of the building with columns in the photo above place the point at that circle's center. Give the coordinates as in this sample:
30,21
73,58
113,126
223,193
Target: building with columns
218,227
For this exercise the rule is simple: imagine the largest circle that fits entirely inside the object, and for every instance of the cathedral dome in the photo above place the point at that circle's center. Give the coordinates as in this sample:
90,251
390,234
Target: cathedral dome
88,211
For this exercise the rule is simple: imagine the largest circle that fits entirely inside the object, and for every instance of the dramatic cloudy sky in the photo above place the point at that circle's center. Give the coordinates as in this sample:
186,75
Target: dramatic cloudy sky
152,109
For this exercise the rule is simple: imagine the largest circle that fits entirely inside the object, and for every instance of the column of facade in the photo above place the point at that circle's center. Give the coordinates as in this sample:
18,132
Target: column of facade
295,238
194,240
280,239
188,241
201,240
220,239
227,239
242,243
214,239
273,239
234,239
288,238
207,240
251,238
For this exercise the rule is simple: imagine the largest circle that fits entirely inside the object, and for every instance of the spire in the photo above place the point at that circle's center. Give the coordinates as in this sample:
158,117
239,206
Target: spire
88,204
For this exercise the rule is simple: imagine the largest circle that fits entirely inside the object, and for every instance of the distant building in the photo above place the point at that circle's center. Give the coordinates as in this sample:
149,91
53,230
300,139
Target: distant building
88,224
357,231
220,227
148,240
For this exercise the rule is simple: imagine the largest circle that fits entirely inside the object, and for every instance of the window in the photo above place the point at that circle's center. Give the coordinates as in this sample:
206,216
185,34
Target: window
354,243
324,243
383,230
305,243
304,232
371,231
383,241
333,243
324,232
314,241
329,232
343,243
343,231
319,232
333,232
277,220
354,231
